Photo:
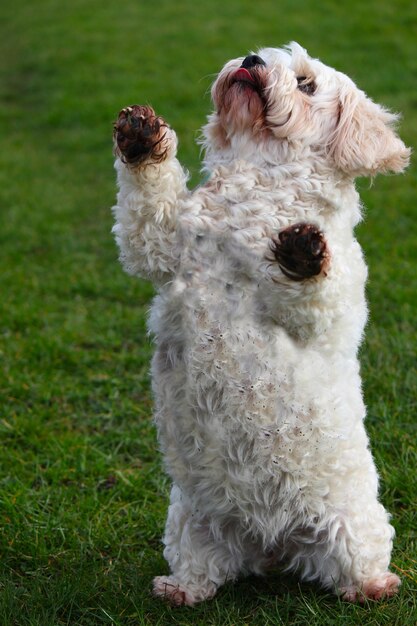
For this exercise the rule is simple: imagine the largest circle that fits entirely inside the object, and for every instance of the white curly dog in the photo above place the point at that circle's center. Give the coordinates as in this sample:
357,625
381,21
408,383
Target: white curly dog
257,322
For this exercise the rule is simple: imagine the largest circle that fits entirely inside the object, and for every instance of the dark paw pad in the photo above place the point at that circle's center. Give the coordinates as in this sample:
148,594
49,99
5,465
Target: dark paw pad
139,135
301,251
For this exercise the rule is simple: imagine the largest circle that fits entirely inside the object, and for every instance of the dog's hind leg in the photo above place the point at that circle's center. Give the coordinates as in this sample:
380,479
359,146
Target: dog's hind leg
364,554
200,560
350,553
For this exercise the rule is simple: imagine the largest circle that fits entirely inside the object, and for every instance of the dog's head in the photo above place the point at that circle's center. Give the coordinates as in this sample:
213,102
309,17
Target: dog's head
283,97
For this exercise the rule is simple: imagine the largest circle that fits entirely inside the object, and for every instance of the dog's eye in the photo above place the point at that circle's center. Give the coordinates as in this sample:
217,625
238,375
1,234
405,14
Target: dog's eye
306,85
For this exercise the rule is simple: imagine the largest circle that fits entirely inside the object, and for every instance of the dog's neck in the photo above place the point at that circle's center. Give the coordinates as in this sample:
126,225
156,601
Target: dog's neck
272,159
263,153
253,164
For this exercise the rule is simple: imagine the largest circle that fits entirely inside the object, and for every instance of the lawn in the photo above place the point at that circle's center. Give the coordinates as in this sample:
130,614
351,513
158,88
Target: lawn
82,492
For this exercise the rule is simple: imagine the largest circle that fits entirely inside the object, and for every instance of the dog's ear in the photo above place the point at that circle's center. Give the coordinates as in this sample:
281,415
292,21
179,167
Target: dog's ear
364,142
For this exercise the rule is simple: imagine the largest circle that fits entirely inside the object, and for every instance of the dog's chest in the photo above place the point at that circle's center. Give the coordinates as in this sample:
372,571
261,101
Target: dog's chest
225,236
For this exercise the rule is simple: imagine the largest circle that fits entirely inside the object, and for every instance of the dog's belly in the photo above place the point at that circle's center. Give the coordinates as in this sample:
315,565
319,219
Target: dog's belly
248,419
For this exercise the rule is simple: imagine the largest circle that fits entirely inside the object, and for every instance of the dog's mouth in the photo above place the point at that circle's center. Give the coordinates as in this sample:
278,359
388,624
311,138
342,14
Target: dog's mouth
241,98
242,75
246,79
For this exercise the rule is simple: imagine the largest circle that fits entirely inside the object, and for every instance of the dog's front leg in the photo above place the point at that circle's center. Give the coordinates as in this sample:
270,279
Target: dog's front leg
152,183
314,285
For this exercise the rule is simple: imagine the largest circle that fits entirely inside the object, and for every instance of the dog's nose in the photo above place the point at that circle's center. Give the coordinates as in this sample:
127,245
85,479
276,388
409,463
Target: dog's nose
251,61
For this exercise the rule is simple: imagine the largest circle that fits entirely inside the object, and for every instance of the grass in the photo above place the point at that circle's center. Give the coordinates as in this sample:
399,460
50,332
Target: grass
82,492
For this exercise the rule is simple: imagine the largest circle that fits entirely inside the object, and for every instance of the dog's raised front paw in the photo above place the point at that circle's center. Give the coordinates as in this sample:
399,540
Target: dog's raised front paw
141,136
301,251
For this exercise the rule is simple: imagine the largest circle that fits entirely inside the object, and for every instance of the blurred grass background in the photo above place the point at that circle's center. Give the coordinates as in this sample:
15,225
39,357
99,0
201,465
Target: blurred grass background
82,493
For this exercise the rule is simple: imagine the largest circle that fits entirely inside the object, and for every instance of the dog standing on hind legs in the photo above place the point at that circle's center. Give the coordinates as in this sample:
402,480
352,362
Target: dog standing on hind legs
257,321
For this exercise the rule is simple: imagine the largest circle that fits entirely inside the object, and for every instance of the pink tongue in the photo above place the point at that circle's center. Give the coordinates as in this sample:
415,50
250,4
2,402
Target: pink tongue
243,74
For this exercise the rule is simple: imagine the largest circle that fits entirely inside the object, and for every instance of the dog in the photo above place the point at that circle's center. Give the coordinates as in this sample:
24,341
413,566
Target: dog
259,313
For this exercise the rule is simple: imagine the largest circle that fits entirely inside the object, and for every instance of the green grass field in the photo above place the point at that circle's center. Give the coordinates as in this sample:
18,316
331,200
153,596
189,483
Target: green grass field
82,493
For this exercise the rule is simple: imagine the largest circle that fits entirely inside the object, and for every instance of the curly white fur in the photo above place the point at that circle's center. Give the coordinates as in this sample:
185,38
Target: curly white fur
256,380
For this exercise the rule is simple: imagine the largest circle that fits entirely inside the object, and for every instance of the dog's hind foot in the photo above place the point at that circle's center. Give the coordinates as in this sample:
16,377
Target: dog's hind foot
383,586
178,594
